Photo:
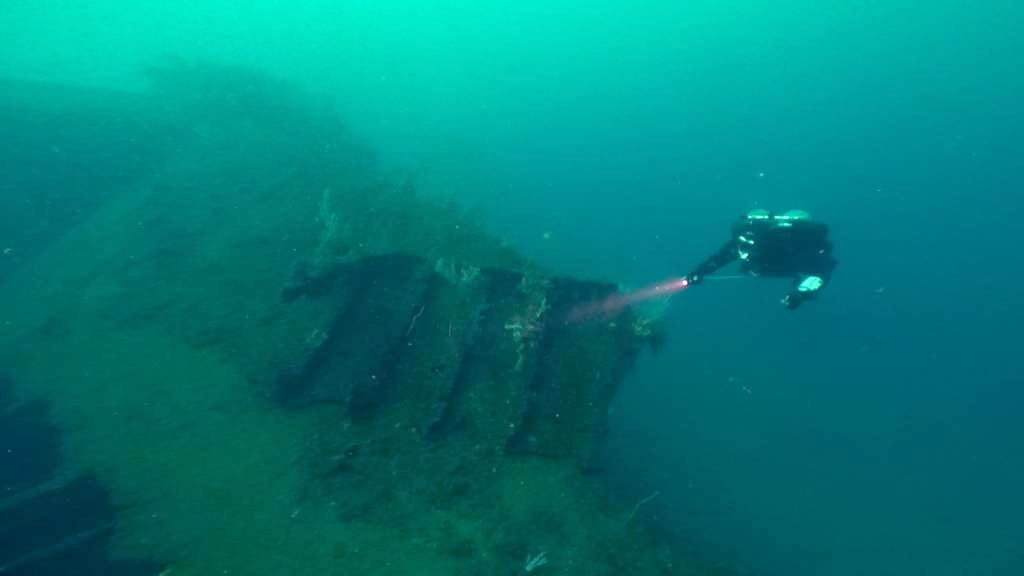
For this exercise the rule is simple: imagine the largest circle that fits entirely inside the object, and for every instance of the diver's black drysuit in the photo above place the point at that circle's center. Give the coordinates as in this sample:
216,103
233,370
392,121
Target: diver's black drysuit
777,246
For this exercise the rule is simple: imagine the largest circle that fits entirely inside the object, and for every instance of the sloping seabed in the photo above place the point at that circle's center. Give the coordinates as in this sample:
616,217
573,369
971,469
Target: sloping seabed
278,361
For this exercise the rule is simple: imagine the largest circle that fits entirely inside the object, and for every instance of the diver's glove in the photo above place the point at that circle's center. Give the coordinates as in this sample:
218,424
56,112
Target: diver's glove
792,300
692,279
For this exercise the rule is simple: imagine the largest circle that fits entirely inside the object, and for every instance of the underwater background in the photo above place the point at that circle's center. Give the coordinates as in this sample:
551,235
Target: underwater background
875,430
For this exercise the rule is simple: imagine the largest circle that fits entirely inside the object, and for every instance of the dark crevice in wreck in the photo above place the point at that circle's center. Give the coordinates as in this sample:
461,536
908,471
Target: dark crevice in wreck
51,522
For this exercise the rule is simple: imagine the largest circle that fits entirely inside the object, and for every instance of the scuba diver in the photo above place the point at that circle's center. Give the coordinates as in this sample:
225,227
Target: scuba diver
789,245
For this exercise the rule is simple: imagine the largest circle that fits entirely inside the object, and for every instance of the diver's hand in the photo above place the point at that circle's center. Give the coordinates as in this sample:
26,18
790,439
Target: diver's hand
692,279
792,301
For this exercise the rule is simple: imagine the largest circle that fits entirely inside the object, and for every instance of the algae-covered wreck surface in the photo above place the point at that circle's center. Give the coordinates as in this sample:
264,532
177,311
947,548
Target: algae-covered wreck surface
278,361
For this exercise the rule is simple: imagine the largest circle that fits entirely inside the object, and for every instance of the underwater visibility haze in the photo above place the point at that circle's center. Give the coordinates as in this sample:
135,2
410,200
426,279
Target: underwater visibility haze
328,287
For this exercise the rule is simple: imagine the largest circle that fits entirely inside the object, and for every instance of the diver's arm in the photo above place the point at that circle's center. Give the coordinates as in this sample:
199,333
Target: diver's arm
724,255
807,286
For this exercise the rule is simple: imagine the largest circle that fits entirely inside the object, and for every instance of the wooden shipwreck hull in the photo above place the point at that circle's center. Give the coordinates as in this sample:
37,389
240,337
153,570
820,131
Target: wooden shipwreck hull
496,359
258,343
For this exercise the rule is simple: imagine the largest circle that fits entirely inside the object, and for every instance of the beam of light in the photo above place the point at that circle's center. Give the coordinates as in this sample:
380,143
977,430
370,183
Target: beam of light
615,303
734,277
